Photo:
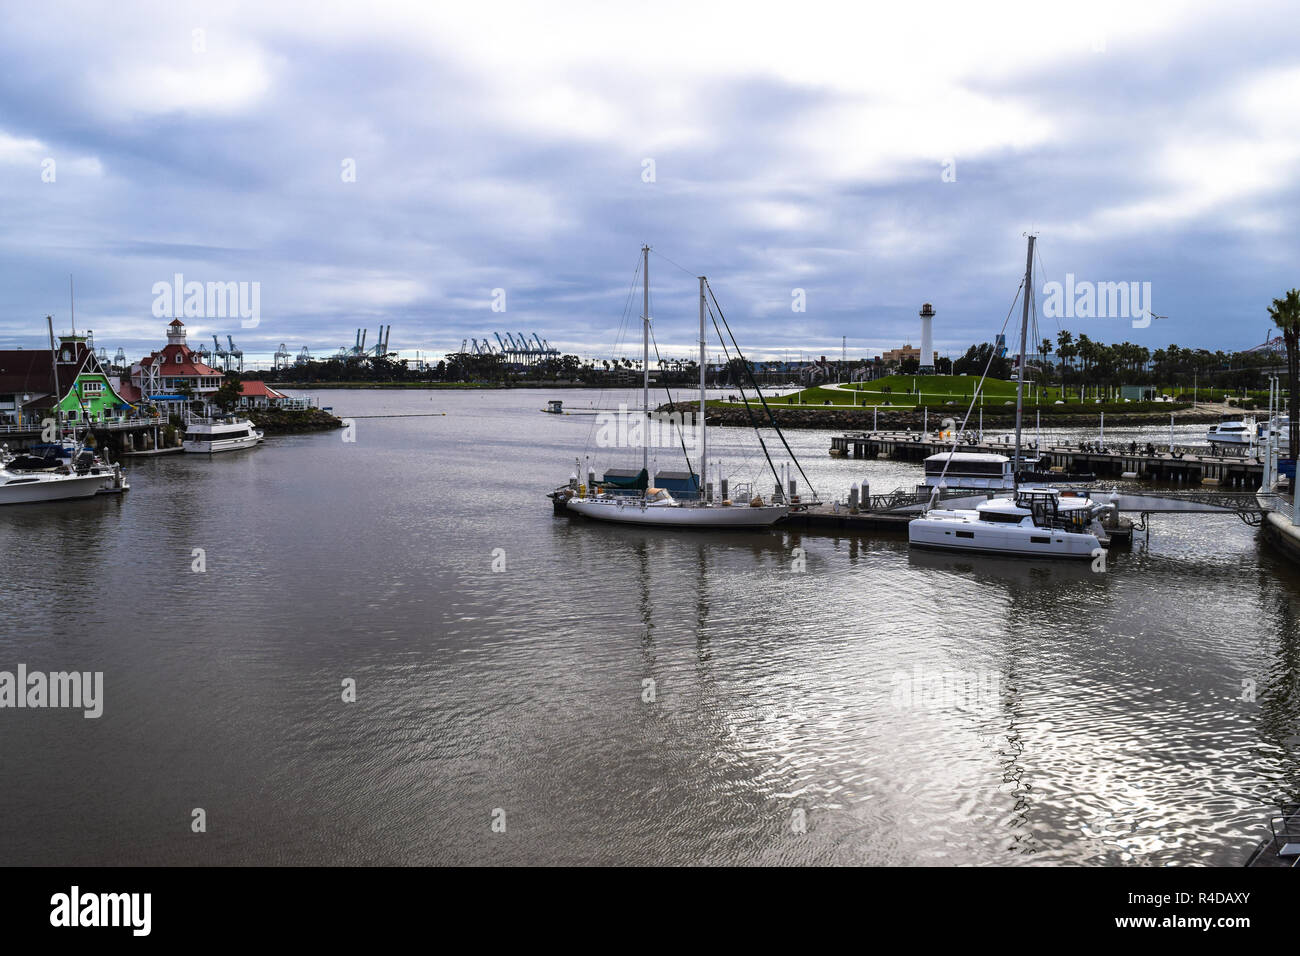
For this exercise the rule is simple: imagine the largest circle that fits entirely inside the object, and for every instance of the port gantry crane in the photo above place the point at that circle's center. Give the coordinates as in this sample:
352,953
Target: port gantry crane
235,353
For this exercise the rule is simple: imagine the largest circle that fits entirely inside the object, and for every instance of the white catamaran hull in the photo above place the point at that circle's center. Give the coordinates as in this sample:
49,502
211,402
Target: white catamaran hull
18,488
633,511
964,531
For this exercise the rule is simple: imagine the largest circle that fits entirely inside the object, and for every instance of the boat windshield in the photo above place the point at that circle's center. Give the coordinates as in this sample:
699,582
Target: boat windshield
1006,517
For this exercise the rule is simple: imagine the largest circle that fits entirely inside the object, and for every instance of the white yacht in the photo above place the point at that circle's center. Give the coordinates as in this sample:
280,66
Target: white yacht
1283,435
1236,433
209,438
26,487
1037,522
55,472
963,469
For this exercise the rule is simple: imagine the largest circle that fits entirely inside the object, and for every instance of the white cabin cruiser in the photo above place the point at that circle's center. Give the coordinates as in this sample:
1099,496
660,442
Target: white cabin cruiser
1283,424
1236,433
1036,522
55,472
962,469
26,487
209,438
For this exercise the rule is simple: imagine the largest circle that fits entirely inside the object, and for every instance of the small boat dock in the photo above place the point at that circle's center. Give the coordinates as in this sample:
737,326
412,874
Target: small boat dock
1185,465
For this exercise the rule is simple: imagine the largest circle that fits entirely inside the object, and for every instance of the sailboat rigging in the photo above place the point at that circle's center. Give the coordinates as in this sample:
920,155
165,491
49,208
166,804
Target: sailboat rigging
627,499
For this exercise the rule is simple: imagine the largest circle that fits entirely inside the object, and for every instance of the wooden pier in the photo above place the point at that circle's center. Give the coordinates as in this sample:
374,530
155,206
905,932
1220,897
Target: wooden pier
1145,462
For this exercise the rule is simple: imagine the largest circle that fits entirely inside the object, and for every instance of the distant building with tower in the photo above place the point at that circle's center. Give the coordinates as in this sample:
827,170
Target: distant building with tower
162,377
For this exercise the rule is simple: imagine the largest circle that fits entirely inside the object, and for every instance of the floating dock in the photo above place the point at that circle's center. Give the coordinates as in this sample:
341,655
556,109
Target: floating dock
1185,466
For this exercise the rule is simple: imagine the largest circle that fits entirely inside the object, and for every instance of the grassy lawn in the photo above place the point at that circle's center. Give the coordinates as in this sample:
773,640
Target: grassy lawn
935,390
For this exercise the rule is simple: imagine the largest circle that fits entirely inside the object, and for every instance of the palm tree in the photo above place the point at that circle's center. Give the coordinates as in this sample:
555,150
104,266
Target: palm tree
1064,345
1285,314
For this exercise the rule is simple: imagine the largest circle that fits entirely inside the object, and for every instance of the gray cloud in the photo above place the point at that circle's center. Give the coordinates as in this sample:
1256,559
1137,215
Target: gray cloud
1136,163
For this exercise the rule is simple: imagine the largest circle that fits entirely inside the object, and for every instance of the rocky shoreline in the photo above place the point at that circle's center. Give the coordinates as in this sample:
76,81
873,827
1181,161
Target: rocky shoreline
862,419
278,421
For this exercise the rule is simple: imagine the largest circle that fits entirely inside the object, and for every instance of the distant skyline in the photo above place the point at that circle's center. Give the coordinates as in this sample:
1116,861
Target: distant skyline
415,165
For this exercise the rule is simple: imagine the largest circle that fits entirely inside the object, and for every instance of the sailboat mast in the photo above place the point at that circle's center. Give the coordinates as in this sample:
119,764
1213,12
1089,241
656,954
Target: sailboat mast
704,437
1020,371
645,357
58,394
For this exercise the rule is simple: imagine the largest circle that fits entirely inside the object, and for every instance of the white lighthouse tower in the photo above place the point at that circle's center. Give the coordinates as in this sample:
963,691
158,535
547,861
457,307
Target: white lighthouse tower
927,340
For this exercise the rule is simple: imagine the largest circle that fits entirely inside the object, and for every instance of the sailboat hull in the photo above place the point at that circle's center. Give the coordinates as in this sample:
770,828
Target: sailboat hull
676,516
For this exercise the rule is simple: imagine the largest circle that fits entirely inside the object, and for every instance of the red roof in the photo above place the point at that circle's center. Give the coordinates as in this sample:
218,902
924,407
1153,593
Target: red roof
187,365
126,388
253,388
176,322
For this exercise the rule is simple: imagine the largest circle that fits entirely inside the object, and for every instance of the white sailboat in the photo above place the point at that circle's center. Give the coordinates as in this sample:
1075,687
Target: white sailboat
657,507
1033,522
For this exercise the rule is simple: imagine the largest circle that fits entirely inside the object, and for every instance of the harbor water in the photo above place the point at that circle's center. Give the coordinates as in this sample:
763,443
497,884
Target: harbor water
531,689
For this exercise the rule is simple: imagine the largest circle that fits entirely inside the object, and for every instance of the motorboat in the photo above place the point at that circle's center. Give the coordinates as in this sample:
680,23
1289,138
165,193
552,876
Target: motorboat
1283,434
1035,522
969,470
27,487
43,473
1233,433
211,437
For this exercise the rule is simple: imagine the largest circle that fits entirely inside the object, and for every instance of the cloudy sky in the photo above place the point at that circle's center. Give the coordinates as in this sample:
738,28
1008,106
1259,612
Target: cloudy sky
393,163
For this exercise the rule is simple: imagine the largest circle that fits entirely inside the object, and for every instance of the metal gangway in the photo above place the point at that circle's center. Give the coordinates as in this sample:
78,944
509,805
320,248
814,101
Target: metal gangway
1248,506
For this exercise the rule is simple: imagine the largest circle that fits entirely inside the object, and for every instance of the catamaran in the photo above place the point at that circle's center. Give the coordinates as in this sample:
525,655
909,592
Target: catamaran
1033,521
628,497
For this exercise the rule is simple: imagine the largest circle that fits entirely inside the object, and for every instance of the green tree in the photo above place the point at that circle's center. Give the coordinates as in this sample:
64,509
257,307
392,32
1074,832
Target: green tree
1285,314
230,392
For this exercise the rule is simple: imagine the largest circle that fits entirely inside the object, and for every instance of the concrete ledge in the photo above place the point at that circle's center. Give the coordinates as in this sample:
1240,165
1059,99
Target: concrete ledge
1281,532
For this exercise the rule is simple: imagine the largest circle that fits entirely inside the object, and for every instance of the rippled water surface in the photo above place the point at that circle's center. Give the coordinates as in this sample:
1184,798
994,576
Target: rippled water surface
916,709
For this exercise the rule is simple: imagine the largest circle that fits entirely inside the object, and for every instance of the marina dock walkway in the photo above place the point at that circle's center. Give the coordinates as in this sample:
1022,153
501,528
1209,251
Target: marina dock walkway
1185,465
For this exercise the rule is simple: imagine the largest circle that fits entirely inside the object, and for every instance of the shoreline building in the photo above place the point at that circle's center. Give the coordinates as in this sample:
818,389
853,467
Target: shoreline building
34,382
161,378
